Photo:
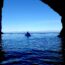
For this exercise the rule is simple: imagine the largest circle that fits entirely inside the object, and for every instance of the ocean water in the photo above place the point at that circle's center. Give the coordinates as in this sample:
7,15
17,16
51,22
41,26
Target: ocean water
39,49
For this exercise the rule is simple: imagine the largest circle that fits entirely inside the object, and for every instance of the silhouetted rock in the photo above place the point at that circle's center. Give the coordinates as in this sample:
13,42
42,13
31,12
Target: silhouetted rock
27,35
58,6
1,33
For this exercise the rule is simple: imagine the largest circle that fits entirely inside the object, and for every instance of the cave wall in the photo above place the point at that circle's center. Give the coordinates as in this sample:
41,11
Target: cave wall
1,6
58,6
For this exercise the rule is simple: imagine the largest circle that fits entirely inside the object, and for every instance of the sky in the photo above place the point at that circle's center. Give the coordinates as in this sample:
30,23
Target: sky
29,15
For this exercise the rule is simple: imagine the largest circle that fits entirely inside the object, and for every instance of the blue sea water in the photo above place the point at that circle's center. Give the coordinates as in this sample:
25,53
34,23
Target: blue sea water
39,49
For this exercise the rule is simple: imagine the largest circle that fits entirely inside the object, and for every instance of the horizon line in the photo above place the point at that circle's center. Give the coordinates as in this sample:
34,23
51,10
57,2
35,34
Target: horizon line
34,32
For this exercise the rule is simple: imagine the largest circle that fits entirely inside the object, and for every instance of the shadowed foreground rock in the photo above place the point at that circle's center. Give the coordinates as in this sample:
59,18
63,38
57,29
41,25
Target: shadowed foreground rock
57,6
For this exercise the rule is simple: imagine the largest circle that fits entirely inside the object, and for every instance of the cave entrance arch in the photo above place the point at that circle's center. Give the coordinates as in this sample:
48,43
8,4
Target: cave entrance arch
57,5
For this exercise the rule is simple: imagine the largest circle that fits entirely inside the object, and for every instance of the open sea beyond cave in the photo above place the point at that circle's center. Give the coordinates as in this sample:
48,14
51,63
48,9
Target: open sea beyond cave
39,49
